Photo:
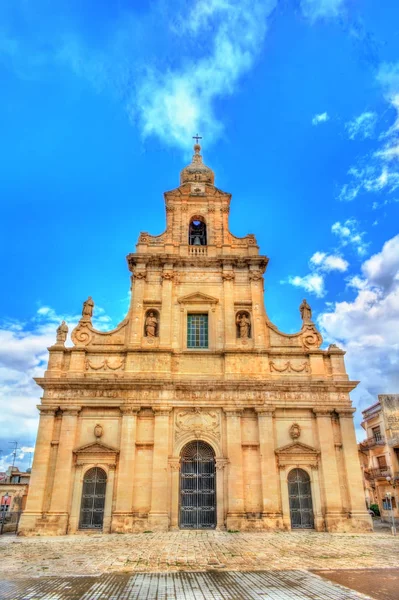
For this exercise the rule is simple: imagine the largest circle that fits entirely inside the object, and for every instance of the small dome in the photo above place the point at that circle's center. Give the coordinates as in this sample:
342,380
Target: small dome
197,172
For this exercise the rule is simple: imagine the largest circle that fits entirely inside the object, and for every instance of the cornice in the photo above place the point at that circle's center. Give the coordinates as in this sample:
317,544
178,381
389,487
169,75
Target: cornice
129,383
174,260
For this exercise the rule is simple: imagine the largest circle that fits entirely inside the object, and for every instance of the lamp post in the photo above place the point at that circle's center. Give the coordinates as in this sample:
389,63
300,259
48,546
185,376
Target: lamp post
392,482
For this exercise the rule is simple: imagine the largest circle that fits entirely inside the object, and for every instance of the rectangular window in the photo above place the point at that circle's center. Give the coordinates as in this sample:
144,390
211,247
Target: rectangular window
376,433
382,462
197,331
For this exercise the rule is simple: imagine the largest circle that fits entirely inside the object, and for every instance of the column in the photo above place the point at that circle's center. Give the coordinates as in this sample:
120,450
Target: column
285,499
60,499
269,471
330,477
174,464
165,338
127,455
359,515
259,331
229,316
235,485
76,498
220,470
158,517
137,331
316,498
38,482
109,495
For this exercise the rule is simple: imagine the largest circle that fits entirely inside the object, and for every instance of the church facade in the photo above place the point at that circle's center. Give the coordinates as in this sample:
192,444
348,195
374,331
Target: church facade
196,412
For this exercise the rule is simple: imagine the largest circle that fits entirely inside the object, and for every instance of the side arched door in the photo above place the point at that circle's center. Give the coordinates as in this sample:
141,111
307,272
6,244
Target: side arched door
300,495
93,499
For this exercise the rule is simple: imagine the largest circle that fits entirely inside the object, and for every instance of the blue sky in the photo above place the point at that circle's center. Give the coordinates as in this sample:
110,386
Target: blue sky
298,105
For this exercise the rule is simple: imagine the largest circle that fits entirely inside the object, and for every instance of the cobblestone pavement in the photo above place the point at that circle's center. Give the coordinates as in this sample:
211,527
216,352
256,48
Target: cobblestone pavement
193,551
266,585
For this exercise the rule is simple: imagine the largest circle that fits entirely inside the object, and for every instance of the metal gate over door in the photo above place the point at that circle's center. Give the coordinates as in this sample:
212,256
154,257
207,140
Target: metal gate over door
300,495
197,487
93,499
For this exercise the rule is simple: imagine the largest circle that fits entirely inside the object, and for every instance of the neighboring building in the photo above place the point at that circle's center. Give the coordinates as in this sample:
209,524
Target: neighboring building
196,411
14,486
380,453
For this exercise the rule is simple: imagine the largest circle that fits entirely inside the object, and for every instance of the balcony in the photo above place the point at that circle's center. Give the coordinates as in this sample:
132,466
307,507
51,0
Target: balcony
197,250
370,442
378,473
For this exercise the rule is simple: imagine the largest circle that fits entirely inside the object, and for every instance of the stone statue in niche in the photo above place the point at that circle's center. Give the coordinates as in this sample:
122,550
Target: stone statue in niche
306,312
151,325
62,331
87,311
243,325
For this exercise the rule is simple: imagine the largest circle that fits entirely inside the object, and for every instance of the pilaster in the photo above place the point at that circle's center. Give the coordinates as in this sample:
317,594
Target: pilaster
271,510
159,514
235,484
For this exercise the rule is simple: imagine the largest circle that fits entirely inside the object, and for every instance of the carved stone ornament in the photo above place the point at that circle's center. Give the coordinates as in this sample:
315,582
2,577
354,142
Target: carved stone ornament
140,274
143,239
310,337
255,276
198,422
228,276
108,364
62,332
98,431
225,209
168,275
295,431
289,367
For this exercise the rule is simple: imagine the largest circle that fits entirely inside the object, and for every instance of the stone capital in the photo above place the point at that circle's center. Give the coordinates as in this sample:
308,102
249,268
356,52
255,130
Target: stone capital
221,463
265,411
48,411
161,412
129,410
345,412
232,412
322,412
174,464
71,411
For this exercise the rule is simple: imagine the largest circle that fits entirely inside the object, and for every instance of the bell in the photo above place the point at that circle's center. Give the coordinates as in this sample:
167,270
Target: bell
197,241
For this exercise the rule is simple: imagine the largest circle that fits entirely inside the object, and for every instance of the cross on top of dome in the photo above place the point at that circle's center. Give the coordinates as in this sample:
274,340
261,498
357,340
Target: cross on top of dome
196,171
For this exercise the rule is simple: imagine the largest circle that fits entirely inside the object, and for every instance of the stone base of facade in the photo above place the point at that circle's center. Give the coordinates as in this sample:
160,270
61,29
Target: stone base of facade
354,523
255,522
43,524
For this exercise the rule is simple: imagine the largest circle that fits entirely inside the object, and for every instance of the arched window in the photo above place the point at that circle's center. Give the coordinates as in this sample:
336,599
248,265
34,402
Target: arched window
300,496
197,232
93,499
197,486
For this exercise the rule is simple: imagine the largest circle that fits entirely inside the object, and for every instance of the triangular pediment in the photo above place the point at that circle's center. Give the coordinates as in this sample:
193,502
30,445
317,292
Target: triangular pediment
96,448
197,298
297,448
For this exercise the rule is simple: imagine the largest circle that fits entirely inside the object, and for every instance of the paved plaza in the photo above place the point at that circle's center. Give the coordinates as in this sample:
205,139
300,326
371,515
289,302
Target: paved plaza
193,551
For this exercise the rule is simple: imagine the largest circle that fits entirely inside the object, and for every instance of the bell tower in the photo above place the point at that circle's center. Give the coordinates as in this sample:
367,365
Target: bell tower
198,257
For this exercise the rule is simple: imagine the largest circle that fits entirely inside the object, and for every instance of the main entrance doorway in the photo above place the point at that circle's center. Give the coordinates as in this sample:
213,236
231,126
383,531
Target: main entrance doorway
197,486
93,499
300,495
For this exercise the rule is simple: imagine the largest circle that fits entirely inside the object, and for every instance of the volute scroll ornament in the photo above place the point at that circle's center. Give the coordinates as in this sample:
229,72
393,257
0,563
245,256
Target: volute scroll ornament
310,337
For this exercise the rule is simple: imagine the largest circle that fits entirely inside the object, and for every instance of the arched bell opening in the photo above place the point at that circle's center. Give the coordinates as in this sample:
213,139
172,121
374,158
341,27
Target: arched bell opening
197,486
300,497
93,499
197,234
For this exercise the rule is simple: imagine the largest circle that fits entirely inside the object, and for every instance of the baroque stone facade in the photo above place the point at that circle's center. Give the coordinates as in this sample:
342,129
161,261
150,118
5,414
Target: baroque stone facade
196,411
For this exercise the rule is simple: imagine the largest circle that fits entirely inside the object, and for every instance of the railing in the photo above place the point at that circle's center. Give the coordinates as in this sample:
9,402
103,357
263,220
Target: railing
197,250
9,521
373,441
381,473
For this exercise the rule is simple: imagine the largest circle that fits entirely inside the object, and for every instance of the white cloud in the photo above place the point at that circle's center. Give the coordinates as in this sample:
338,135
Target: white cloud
367,327
173,103
377,172
348,234
362,126
329,262
313,283
321,118
23,356
322,9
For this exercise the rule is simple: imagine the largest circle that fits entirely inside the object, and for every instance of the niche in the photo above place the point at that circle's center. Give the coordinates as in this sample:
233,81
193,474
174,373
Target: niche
243,325
151,323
